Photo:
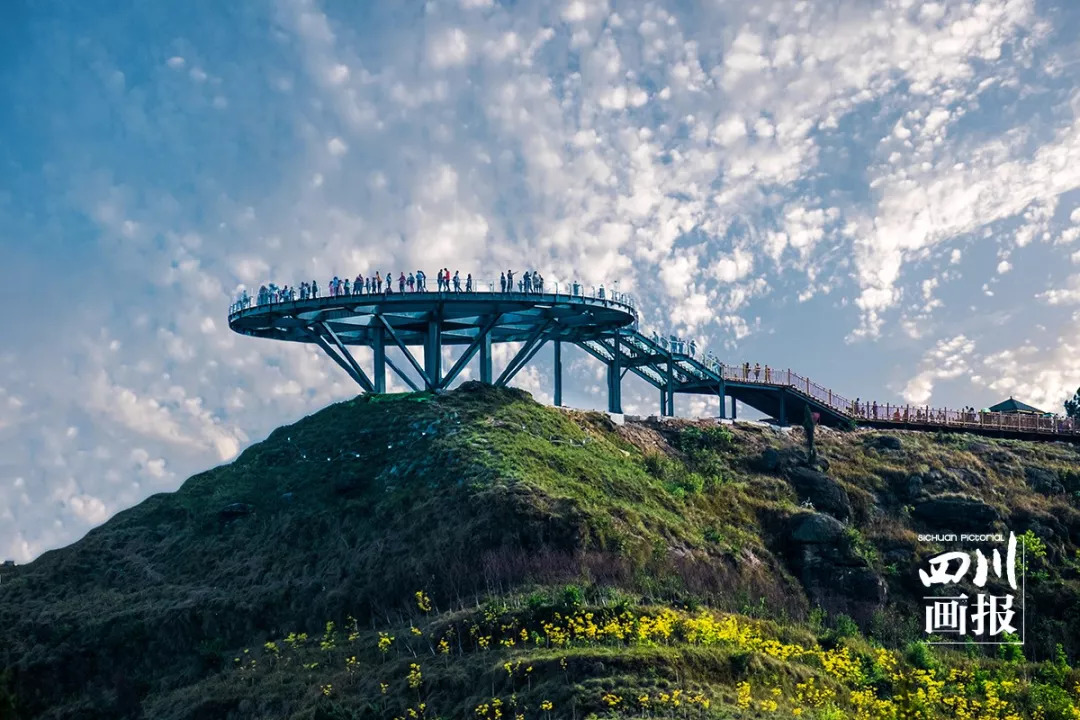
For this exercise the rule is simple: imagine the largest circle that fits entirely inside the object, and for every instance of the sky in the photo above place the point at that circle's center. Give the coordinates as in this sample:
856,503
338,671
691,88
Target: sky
881,195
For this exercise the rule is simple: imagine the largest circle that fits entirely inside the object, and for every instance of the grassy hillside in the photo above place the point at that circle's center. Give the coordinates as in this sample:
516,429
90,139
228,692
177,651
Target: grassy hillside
478,555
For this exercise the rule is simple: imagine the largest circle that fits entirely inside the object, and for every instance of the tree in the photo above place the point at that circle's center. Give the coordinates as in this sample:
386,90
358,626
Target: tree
1072,406
808,425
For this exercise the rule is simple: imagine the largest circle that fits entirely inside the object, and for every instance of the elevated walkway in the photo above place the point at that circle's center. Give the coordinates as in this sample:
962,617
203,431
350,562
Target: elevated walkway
605,327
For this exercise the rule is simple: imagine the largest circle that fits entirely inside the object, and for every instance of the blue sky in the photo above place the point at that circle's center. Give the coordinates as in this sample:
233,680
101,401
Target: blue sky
884,196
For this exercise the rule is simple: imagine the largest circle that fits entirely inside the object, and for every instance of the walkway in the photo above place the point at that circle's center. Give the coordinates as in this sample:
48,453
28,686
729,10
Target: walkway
603,324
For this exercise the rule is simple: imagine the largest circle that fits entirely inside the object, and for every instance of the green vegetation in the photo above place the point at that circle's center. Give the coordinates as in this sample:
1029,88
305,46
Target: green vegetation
477,555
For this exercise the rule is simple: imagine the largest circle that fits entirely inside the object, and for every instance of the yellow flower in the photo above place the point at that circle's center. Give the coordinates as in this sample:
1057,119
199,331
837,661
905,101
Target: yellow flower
415,677
742,695
546,706
423,601
610,699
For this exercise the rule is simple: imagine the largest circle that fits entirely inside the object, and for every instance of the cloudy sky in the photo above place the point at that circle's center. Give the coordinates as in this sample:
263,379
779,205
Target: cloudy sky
884,196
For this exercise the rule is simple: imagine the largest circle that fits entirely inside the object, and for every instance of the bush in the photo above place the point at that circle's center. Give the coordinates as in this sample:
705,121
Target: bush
844,626
572,597
921,656
536,601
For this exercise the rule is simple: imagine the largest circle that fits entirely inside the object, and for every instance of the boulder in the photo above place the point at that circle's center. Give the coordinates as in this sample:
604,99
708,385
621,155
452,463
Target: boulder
886,442
966,476
1042,480
939,482
816,529
833,574
909,487
769,461
956,513
826,494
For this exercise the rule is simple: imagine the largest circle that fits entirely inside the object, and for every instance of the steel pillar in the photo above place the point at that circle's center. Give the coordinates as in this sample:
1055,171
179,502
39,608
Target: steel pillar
734,414
670,385
378,347
615,377
722,391
433,352
663,402
485,359
783,414
558,373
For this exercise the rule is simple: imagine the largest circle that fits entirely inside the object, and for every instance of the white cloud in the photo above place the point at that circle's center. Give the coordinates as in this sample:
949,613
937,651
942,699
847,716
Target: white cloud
448,49
947,360
337,147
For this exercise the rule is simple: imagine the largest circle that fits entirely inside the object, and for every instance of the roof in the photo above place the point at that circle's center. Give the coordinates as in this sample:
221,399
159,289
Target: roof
1014,406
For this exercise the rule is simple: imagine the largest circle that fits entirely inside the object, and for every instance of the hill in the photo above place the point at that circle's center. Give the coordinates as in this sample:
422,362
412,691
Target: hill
475,554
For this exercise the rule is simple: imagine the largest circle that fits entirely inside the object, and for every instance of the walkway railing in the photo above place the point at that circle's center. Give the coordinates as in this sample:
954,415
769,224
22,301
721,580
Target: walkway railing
888,413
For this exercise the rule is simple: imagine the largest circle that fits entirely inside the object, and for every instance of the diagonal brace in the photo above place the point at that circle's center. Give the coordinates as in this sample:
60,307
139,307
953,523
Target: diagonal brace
466,356
428,381
405,378
525,354
337,358
365,382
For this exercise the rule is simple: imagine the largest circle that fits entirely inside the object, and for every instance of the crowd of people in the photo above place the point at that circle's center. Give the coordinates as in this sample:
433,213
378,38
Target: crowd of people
529,282
675,344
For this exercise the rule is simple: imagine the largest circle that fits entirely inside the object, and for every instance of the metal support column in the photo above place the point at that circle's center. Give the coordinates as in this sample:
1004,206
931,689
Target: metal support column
663,402
558,373
783,413
670,388
723,400
485,359
734,415
433,352
378,347
615,377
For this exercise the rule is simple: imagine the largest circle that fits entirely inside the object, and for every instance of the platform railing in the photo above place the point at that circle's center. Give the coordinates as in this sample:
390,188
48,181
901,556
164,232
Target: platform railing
484,285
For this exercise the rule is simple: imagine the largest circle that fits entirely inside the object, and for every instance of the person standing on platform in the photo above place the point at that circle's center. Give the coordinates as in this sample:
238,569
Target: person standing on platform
457,281
401,283
378,282
468,283
509,281
389,283
502,282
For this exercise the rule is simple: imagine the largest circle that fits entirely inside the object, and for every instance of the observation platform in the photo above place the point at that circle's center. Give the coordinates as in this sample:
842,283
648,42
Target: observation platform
605,326
433,320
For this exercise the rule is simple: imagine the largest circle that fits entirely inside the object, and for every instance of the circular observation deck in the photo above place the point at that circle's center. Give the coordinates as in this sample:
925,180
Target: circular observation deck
455,318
